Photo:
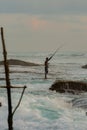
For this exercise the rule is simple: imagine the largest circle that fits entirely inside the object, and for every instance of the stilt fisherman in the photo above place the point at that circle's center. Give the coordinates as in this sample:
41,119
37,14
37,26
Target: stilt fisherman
46,64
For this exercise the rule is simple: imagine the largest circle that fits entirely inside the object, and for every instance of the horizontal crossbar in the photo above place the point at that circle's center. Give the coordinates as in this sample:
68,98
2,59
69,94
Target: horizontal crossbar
12,87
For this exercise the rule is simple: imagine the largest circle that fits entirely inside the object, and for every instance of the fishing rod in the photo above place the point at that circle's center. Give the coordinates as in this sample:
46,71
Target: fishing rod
55,51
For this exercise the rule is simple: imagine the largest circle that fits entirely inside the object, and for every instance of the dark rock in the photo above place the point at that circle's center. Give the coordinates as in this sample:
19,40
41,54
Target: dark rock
19,62
73,87
84,66
0,104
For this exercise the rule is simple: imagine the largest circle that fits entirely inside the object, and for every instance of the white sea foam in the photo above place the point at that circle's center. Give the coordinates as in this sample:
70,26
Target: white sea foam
42,109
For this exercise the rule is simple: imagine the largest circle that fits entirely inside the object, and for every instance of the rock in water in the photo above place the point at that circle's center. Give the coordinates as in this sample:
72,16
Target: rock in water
74,87
19,62
84,66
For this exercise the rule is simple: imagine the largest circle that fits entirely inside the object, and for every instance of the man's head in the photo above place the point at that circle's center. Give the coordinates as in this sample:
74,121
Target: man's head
46,58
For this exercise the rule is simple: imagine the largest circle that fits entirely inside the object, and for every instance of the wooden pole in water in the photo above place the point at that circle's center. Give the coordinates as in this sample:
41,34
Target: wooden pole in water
10,117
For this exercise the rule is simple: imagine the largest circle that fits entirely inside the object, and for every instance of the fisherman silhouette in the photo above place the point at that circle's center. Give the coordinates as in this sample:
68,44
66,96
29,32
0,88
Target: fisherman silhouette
46,64
47,60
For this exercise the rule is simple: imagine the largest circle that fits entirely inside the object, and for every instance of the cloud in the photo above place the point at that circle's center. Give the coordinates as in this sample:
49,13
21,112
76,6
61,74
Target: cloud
37,23
42,22
43,32
63,23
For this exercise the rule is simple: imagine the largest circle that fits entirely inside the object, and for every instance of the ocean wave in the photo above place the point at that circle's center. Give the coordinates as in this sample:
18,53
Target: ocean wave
80,102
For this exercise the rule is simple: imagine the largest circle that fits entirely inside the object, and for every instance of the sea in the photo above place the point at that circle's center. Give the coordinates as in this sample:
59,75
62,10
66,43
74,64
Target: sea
41,108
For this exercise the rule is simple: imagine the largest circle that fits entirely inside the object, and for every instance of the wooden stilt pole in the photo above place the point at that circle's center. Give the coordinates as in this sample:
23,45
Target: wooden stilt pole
10,117
8,86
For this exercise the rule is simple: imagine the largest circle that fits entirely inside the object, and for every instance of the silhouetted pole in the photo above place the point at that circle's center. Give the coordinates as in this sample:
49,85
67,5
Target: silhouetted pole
10,117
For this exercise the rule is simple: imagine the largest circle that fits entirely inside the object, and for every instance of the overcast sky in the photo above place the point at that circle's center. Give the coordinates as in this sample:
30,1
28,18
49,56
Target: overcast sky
43,25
